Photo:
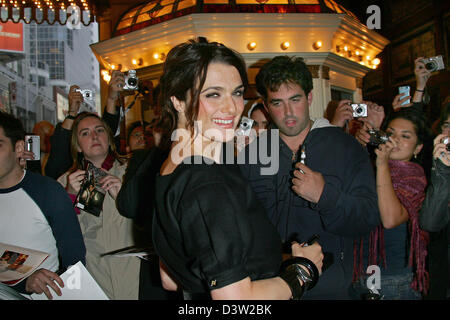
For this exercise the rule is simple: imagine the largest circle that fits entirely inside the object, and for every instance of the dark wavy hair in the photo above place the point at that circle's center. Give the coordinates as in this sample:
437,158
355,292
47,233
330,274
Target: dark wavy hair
184,75
281,70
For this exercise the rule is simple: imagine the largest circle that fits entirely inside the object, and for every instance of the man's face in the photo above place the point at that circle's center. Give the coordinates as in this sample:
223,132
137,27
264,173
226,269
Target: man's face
289,108
140,139
8,155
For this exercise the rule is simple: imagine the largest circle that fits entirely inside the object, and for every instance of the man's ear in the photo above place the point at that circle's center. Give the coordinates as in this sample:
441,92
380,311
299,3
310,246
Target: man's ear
310,98
19,148
180,106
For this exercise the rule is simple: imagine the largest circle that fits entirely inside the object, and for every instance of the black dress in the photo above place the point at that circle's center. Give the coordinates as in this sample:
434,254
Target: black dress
210,230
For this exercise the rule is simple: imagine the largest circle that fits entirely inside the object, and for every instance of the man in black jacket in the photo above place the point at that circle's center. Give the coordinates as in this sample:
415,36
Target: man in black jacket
332,193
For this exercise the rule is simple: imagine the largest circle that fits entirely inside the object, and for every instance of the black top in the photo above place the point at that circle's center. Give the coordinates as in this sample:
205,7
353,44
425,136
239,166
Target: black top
209,229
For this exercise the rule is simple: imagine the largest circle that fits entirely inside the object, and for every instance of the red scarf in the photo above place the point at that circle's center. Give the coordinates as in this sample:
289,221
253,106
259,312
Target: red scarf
409,182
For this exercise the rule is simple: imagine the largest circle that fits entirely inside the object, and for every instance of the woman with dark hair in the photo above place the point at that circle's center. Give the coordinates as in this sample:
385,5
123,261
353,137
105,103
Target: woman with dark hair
398,246
104,229
212,235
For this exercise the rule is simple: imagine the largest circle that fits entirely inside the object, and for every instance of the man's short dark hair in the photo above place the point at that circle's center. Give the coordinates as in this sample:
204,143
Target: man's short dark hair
12,127
135,125
281,70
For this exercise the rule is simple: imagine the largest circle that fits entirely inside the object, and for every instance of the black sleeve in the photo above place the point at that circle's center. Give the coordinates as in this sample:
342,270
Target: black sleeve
434,214
353,211
112,120
60,159
134,200
210,213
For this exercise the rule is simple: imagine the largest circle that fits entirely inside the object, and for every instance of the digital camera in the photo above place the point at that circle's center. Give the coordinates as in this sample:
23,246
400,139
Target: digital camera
245,127
434,63
359,110
33,144
131,80
378,137
87,94
446,141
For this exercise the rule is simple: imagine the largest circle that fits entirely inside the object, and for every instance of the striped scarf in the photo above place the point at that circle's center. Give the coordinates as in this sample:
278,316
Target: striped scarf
409,182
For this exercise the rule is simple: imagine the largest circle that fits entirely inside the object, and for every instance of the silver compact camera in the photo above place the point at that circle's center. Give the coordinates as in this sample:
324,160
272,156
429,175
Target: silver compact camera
446,141
434,63
245,126
33,144
131,80
87,94
359,110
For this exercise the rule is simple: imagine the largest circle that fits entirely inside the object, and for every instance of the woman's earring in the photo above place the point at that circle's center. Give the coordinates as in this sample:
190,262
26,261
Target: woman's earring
415,156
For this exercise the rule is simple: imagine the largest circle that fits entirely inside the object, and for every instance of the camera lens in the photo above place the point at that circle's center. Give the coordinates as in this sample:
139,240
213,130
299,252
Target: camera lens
132,82
359,110
430,66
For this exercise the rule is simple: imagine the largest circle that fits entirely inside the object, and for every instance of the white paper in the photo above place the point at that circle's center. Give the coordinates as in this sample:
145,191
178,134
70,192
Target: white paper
78,285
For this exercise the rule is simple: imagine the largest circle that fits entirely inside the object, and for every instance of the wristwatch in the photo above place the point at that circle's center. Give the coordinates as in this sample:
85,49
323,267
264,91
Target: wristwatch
71,117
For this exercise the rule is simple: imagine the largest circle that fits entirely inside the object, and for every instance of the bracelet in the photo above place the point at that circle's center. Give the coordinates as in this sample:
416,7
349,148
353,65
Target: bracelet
289,275
291,271
420,90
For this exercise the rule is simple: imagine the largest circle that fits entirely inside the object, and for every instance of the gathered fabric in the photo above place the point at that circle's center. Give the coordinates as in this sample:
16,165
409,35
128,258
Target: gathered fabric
409,182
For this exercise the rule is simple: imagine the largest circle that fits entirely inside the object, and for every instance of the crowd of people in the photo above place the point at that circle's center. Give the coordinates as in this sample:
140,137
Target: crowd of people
339,203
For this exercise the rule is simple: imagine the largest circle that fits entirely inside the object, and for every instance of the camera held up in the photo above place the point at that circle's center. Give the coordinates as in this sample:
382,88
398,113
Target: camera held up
245,127
434,63
378,137
131,80
87,94
359,110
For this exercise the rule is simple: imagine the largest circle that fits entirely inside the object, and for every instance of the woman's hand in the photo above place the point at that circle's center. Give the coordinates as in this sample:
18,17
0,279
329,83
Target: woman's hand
422,74
440,152
375,114
384,151
312,252
343,114
74,181
362,135
397,103
112,185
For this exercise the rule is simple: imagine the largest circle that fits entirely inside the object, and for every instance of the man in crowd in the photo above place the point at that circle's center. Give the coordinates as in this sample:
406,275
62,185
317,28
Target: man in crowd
331,194
36,214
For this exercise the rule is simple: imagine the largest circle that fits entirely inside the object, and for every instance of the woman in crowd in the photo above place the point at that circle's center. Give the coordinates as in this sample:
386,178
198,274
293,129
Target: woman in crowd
399,245
104,229
213,238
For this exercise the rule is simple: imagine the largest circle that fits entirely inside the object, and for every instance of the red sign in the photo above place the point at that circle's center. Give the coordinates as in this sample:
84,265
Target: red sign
11,37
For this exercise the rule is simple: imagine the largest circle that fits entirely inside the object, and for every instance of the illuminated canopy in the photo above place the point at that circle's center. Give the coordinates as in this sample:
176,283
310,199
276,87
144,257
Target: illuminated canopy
157,11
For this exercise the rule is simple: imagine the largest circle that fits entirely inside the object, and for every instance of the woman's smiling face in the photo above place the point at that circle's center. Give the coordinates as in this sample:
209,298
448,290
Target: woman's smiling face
221,102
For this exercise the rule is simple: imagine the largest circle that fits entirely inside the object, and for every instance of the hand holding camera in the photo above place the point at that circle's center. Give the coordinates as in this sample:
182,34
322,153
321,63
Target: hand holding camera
383,152
75,100
343,113
441,149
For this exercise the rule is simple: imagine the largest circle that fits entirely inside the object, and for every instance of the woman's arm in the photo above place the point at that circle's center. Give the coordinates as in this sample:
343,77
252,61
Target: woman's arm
167,282
392,212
